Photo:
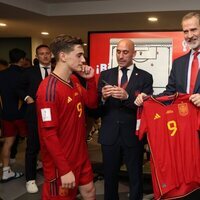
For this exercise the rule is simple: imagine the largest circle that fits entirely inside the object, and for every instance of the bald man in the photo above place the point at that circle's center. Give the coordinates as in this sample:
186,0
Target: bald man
118,88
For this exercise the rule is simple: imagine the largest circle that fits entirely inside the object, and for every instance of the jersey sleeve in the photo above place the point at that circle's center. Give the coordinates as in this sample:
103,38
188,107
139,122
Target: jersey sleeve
141,126
199,121
47,113
48,125
89,93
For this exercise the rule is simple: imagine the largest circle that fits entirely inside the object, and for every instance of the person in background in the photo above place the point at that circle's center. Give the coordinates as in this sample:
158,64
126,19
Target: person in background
13,153
30,81
27,63
3,65
13,110
118,88
61,121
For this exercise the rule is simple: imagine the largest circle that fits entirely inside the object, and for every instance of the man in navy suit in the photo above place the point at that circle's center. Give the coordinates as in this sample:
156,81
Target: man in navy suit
29,85
118,113
180,75
179,79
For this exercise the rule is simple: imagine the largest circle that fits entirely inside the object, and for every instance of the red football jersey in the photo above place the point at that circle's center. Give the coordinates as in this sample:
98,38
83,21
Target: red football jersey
61,122
172,127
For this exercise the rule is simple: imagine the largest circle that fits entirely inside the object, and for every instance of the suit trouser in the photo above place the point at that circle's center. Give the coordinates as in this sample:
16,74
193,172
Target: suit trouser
33,145
132,157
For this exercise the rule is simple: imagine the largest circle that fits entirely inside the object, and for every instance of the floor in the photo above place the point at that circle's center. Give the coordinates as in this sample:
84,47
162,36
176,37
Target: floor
15,189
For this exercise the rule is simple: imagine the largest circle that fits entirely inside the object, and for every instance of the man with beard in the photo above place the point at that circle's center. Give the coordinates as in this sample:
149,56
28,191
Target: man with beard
180,79
184,78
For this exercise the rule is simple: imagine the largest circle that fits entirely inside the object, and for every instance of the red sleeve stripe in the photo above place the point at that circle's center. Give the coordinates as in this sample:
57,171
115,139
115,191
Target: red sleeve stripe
54,188
50,90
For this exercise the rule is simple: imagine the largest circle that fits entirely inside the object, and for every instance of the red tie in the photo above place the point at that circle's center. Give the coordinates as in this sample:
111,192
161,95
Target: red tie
194,71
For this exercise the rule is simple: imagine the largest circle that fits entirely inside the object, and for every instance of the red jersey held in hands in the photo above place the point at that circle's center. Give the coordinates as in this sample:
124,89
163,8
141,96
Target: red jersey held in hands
172,125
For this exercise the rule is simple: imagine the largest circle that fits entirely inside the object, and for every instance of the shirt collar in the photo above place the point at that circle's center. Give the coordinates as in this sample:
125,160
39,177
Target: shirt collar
42,66
192,51
129,67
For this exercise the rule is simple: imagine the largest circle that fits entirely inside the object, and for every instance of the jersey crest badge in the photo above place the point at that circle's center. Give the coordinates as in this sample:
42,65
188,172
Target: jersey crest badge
183,109
157,116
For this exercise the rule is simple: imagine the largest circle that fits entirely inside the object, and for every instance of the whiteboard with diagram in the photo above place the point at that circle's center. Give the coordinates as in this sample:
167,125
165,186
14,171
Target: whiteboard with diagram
152,54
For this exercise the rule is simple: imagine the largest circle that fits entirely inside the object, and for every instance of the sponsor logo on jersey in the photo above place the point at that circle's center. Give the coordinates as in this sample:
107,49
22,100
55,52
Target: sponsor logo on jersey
183,109
157,116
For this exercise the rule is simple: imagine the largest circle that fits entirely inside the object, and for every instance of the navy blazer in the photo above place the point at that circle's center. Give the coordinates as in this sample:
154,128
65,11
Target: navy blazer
30,82
119,117
178,76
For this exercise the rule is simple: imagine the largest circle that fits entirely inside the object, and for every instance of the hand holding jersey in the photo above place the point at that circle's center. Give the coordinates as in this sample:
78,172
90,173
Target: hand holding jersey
68,180
195,99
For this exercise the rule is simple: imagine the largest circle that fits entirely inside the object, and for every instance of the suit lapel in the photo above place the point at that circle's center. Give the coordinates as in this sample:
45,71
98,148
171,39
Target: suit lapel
185,72
133,78
39,74
197,85
114,76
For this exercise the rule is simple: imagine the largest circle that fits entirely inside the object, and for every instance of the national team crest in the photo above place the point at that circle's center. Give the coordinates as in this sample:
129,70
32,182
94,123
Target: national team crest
183,109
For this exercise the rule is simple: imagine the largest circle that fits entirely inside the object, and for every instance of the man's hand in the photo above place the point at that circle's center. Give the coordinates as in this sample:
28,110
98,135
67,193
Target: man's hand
140,99
68,180
86,71
107,91
195,99
29,100
119,93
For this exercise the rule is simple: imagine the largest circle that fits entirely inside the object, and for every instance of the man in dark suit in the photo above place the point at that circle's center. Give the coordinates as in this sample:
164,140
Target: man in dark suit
30,83
117,92
180,79
180,76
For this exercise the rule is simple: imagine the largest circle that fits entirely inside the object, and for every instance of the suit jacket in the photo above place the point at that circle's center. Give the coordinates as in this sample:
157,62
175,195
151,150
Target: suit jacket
30,82
119,117
178,76
12,107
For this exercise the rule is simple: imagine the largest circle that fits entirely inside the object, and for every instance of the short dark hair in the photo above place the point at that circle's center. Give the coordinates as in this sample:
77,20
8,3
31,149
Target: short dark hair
64,43
41,46
16,54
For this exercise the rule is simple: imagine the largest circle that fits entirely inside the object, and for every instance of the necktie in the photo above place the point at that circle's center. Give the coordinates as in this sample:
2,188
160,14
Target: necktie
124,79
46,71
194,71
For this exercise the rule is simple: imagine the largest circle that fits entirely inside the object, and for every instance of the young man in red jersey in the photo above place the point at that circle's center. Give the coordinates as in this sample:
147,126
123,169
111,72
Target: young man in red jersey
60,107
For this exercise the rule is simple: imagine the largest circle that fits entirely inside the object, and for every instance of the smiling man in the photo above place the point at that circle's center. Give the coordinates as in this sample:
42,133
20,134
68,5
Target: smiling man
185,78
